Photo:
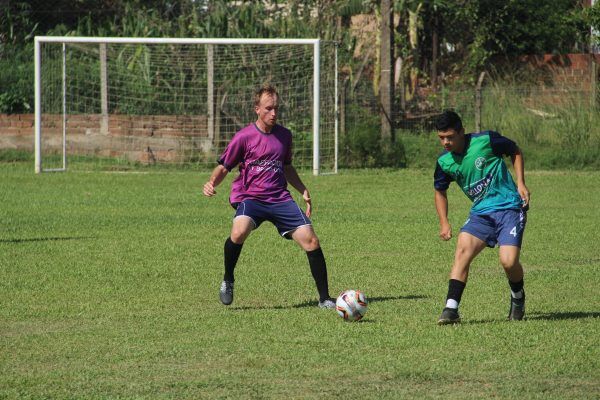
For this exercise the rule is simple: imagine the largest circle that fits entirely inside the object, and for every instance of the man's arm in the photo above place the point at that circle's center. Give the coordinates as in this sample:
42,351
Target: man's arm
291,175
519,165
441,206
217,176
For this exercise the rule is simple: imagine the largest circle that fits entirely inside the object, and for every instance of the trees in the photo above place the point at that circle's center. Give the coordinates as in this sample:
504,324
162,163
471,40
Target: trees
431,38
592,18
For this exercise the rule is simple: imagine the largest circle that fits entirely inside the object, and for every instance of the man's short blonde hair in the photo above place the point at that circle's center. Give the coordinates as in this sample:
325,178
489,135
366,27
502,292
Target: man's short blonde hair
267,89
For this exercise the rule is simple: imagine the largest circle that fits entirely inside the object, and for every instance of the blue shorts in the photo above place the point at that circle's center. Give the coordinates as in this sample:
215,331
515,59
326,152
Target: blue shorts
286,216
505,227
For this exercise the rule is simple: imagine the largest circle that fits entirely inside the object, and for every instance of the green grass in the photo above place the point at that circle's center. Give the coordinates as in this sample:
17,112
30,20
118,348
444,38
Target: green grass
109,281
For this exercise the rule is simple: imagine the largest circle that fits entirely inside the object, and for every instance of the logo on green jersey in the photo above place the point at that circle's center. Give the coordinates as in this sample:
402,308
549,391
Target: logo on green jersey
479,188
480,163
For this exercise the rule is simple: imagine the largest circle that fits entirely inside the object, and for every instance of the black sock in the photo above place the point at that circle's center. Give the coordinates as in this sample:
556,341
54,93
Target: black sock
455,290
231,254
516,287
318,268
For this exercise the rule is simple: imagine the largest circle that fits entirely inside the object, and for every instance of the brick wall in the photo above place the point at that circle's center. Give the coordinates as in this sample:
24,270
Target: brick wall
569,71
138,138
562,80
16,131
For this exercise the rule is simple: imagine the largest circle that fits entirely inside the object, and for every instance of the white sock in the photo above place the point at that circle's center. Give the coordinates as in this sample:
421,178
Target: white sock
451,303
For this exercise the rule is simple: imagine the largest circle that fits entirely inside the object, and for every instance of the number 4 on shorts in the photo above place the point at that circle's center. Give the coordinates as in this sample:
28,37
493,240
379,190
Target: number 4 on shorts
513,231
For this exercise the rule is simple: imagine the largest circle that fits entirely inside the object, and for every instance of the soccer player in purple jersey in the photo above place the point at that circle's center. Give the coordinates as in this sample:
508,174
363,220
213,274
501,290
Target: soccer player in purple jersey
263,152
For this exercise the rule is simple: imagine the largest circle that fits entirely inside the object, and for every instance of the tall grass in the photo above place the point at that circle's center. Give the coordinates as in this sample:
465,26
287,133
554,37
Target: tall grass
556,128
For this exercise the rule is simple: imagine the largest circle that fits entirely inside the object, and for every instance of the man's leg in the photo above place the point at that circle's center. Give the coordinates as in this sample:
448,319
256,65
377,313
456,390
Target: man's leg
306,237
467,248
510,231
509,258
240,230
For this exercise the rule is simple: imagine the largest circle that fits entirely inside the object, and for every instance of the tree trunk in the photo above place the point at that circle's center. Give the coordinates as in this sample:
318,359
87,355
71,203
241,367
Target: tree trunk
434,52
386,83
413,38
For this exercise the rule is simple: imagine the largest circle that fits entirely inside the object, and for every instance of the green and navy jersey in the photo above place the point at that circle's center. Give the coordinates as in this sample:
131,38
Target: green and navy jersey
480,172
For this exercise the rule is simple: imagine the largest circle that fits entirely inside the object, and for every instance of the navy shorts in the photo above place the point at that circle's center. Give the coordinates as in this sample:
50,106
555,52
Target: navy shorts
286,216
505,227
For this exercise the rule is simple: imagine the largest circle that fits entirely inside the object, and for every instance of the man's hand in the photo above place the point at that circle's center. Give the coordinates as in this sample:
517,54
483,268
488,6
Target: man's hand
215,179
209,189
525,195
441,206
306,197
445,231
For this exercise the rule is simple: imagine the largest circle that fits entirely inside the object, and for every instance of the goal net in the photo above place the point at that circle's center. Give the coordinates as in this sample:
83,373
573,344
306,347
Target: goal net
123,103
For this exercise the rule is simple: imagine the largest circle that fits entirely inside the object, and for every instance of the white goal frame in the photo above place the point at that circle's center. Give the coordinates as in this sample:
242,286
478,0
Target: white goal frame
39,40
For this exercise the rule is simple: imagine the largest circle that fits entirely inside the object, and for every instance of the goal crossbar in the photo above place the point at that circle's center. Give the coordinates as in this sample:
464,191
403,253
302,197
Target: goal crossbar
132,40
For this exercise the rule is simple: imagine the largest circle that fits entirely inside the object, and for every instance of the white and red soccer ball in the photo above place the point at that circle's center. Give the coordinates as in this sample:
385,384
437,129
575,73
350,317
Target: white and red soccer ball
351,305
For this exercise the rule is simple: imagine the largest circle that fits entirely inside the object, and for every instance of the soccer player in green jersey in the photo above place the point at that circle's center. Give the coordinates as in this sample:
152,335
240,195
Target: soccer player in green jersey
499,212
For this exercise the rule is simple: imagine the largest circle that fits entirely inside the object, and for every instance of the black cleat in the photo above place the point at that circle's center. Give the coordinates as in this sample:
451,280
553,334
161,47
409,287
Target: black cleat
517,308
328,303
226,292
449,316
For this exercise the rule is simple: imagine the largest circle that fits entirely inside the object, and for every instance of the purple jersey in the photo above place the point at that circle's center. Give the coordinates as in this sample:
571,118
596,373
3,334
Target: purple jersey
261,157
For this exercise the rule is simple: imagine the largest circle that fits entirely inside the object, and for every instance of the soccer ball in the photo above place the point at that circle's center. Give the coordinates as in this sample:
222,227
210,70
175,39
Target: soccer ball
351,305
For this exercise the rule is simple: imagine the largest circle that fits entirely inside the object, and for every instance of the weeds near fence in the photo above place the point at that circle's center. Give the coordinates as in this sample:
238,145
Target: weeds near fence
556,128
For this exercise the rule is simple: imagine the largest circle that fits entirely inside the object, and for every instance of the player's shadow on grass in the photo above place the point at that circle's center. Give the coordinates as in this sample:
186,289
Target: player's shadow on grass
388,298
541,316
314,303
45,239
553,316
369,299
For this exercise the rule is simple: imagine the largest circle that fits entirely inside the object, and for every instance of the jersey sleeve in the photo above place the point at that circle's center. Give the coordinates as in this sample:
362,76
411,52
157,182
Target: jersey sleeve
502,146
441,180
287,160
233,154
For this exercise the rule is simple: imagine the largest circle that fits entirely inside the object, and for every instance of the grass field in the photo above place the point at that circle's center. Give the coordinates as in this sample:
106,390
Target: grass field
109,289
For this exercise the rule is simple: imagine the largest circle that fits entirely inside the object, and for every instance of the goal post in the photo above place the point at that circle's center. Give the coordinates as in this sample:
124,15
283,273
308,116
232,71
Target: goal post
137,101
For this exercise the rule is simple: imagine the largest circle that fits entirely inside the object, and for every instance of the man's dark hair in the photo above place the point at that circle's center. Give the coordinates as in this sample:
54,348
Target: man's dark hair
448,120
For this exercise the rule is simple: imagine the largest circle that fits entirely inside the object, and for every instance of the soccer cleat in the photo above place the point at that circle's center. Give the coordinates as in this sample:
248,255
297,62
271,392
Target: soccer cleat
517,308
226,292
449,316
328,303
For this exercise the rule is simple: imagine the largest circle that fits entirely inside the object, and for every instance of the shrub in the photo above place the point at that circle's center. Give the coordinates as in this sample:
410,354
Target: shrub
363,147
11,103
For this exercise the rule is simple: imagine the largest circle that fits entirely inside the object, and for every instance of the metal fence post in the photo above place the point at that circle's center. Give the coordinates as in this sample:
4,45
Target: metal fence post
478,102
594,83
